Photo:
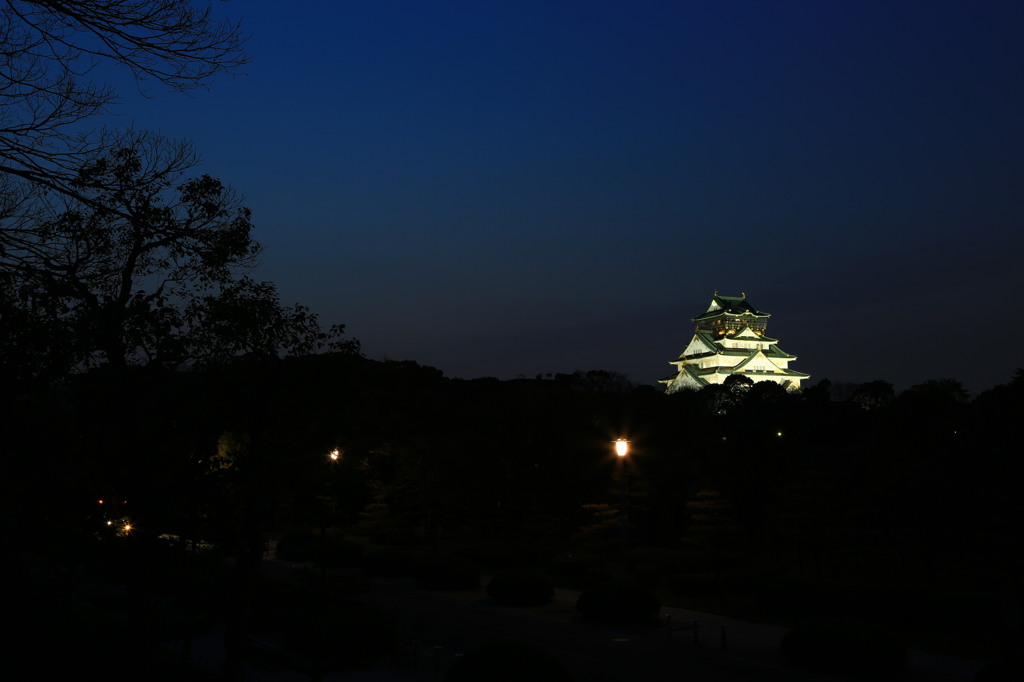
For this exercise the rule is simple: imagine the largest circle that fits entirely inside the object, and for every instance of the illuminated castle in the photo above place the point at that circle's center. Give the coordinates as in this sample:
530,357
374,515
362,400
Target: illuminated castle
730,339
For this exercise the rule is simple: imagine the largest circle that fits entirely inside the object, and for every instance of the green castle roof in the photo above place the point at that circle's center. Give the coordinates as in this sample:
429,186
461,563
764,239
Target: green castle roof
731,305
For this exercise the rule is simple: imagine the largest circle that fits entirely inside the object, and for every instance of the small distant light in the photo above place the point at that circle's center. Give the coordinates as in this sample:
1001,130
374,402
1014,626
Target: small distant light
100,501
110,523
779,434
334,455
621,447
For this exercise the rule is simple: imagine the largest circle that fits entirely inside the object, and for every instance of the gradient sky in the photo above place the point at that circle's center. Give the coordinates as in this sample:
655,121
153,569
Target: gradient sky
497,189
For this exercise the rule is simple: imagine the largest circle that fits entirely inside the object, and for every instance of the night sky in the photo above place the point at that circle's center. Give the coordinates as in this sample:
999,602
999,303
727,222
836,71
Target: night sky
520,188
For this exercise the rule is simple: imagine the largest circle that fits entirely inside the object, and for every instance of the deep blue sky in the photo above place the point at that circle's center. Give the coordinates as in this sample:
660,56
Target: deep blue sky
526,187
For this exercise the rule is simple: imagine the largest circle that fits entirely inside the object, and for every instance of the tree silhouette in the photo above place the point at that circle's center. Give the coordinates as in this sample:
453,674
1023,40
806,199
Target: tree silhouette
149,270
712,534
51,50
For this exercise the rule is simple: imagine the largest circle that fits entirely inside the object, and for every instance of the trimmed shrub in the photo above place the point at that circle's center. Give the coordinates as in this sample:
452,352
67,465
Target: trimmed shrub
299,547
520,588
343,553
648,575
309,546
493,555
447,573
618,602
391,562
668,561
691,584
844,646
579,569
507,662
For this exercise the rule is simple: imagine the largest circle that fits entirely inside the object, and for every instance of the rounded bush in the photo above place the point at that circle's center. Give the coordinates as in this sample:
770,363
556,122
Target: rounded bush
343,553
391,562
666,560
574,566
307,546
618,602
691,584
447,573
507,662
299,547
520,588
845,646
495,555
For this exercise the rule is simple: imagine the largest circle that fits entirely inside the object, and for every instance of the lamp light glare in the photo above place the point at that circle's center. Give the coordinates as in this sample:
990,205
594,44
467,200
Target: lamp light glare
621,447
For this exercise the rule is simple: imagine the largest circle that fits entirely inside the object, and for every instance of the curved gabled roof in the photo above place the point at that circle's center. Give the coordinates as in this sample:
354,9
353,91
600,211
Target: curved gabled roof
775,352
687,375
730,305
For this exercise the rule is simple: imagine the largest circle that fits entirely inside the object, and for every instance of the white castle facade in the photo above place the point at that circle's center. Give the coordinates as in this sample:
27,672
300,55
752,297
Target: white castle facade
730,339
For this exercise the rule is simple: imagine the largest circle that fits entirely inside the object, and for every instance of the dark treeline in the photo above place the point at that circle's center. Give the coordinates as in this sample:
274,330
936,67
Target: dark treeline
737,496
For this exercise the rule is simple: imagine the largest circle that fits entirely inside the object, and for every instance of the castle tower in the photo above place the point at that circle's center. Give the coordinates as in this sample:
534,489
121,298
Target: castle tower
730,339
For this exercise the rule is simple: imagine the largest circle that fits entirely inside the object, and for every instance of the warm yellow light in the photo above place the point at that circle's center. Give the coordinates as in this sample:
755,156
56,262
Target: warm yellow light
127,528
334,454
621,447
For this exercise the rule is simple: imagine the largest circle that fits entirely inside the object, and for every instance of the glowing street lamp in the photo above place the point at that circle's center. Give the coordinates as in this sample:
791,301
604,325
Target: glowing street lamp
334,456
621,450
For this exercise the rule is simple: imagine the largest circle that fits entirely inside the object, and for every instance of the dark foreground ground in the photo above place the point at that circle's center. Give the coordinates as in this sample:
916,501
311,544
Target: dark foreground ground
435,628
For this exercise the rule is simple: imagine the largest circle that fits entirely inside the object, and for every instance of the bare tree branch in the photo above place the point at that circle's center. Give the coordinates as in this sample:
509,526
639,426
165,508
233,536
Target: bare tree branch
49,50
